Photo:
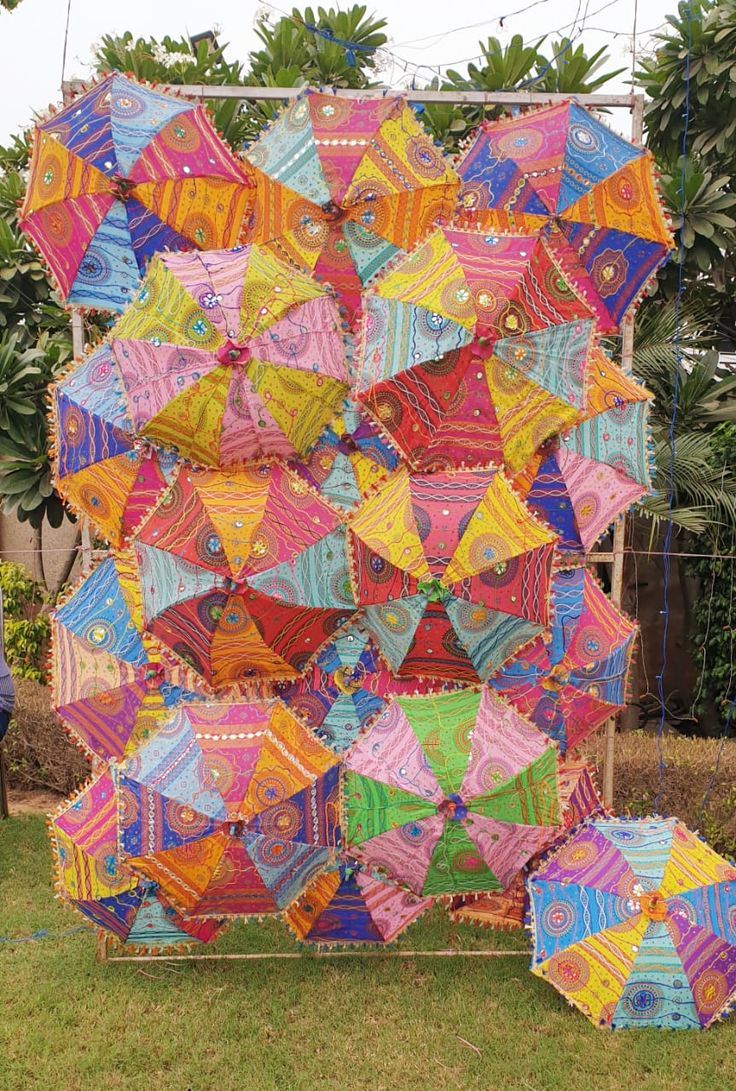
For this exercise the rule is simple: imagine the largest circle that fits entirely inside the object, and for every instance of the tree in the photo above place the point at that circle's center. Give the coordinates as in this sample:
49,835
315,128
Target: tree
692,70
515,66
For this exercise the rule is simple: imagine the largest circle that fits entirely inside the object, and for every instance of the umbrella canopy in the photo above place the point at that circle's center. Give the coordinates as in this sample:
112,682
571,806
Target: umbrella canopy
107,675
474,350
509,909
346,906
570,683
244,575
633,922
142,920
452,572
121,173
593,193
348,459
343,184
450,793
580,482
84,838
100,470
346,687
230,357
232,808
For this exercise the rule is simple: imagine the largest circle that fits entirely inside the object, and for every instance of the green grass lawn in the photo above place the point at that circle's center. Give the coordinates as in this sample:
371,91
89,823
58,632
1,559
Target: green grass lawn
69,1023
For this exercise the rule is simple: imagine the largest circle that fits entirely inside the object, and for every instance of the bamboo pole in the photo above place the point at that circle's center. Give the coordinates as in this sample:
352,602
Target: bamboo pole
619,533
264,956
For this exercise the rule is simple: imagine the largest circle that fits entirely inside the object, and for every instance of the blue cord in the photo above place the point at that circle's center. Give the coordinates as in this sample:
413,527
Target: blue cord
44,933
351,48
666,565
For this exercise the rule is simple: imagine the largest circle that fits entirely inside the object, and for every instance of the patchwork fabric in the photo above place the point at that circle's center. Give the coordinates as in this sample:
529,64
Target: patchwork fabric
574,680
562,172
623,925
343,184
451,793
121,173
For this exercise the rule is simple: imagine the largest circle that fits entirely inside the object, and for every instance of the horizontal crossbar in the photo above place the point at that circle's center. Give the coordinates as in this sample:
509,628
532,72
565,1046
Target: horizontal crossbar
450,98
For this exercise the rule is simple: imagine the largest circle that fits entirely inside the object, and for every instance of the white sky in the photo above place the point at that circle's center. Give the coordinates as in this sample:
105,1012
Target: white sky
32,37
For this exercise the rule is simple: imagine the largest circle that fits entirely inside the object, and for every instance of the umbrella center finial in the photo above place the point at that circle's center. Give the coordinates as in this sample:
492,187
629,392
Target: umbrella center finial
235,829
434,590
653,905
121,187
333,213
233,354
453,808
346,445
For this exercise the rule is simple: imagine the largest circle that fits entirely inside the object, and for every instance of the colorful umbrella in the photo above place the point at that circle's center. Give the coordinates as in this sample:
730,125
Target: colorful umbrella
121,173
342,184
453,573
634,922
142,920
580,482
106,674
572,682
508,909
592,193
348,459
450,793
84,837
346,687
231,808
230,356
346,906
473,350
244,575
100,470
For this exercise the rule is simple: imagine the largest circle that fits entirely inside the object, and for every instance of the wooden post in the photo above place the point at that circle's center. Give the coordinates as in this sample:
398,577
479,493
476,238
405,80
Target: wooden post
619,533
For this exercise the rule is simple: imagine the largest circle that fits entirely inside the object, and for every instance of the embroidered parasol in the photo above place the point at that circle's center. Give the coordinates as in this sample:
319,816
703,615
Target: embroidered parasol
343,184
474,350
633,922
593,194
232,808
244,575
348,459
99,468
572,682
452,572
450,793
107,675
122,173
347,906
230,356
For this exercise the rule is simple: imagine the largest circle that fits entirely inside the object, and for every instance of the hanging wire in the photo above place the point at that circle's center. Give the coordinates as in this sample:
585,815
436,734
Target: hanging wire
666,563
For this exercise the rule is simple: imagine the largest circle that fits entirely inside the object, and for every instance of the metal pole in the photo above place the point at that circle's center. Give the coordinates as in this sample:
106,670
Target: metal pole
458,98
619,533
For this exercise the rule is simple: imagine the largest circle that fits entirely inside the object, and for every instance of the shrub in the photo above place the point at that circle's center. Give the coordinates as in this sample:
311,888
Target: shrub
690,765
27,630
39,753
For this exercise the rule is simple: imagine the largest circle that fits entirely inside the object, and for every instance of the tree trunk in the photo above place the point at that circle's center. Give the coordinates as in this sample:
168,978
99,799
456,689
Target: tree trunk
37,556
69,562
